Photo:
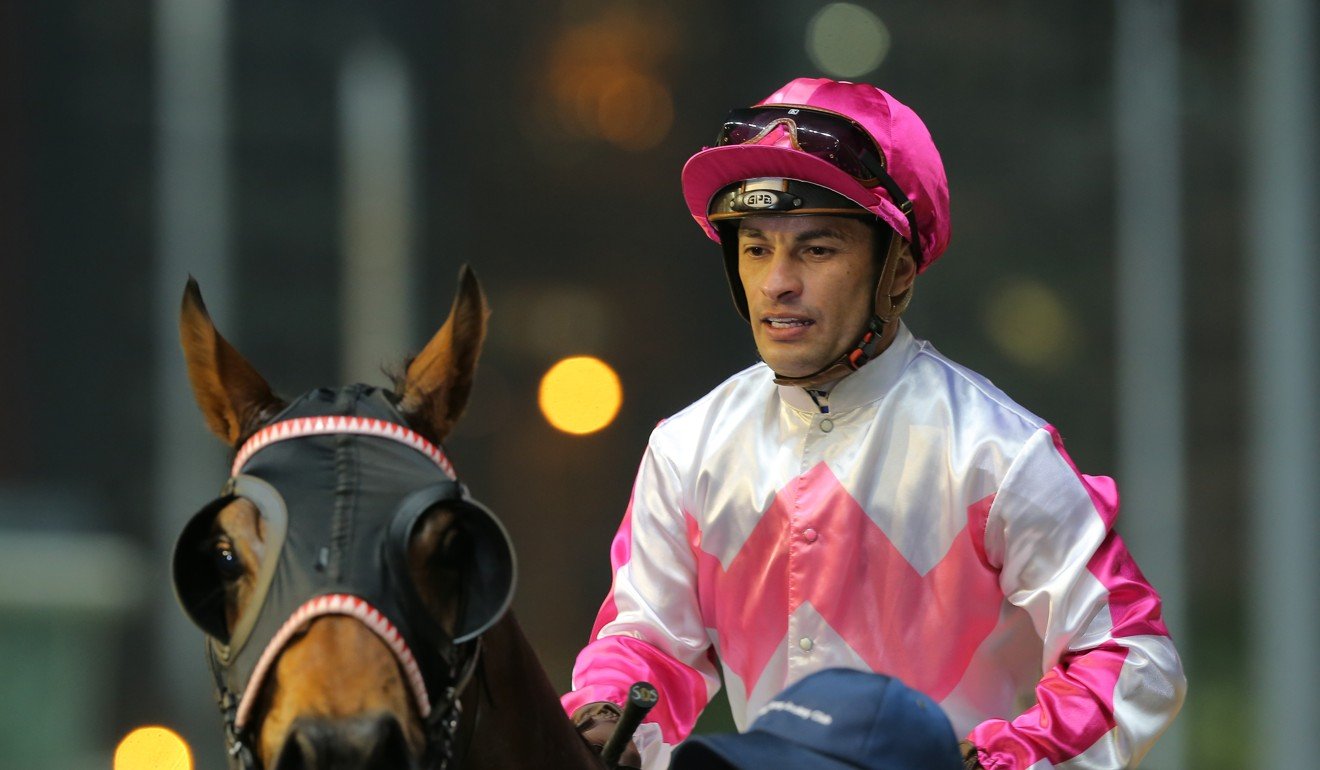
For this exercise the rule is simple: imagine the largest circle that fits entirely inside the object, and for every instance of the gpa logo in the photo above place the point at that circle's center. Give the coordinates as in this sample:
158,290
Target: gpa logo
760,199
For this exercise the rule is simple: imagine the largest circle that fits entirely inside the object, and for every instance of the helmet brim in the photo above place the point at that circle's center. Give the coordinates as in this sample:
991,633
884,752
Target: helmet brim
713,169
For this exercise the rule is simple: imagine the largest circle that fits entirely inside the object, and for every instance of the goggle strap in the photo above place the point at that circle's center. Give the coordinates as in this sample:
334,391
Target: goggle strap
907,208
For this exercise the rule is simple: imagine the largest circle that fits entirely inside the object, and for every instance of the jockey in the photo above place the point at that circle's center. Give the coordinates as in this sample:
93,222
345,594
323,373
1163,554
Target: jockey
858,500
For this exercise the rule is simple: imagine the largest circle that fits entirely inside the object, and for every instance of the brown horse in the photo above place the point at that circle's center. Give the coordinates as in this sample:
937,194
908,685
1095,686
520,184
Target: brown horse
339,684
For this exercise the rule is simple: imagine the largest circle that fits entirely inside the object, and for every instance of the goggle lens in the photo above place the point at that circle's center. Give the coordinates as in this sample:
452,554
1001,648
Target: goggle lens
832,138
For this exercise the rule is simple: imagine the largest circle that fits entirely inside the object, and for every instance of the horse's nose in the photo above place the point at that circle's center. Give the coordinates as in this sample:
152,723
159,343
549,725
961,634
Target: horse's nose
369,742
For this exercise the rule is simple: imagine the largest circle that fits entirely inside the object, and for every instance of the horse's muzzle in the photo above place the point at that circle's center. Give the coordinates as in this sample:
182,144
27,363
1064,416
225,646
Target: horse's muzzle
367,742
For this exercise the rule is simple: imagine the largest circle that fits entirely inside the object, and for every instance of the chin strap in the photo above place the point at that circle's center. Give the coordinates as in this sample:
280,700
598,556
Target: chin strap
869,346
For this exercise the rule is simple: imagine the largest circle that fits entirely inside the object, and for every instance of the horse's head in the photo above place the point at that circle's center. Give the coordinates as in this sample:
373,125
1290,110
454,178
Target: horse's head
343,576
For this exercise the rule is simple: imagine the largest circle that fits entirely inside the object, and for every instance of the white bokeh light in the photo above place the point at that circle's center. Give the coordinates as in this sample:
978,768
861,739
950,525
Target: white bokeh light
846,40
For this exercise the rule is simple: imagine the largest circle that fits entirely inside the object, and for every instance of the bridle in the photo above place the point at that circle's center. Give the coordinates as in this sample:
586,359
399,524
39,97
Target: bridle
337,546
441,721
442,725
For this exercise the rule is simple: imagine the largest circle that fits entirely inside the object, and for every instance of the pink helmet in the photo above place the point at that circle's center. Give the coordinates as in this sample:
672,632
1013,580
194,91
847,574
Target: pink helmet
909,166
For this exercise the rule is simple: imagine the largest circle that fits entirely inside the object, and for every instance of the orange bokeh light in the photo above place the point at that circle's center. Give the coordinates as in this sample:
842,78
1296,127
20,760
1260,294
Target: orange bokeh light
153,748
580,395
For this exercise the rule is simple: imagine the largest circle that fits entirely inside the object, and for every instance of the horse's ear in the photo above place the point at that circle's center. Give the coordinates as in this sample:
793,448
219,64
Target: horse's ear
435,388
234,398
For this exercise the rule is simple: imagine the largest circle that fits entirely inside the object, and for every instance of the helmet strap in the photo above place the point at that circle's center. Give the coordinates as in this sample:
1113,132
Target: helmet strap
885,309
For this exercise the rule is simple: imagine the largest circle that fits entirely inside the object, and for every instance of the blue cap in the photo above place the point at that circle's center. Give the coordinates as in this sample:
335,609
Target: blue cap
836,719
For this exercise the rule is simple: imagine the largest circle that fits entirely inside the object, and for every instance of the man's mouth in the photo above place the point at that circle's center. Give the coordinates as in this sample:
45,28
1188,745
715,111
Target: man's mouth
787,322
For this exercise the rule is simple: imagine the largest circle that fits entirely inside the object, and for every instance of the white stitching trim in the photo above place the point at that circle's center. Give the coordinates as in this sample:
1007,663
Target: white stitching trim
335,604
299,427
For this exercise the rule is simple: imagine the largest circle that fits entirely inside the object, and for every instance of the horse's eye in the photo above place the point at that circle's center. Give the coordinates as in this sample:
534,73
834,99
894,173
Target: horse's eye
226,559
450,539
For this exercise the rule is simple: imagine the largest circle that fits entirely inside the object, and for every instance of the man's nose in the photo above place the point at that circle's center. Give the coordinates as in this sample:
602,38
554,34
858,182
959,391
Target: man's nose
782,279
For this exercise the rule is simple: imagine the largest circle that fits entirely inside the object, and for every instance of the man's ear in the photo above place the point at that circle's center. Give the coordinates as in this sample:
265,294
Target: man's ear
233,397
434,390
905,272
897,276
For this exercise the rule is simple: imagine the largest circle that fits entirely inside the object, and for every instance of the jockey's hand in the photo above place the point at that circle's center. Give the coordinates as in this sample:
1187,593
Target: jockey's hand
596,722
970,760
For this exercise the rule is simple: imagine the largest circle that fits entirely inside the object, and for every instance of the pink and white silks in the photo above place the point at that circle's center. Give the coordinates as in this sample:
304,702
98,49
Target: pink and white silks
926,527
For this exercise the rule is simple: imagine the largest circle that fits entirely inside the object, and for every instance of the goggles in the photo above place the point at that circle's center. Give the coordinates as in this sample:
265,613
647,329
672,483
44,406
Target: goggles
826,135
830,136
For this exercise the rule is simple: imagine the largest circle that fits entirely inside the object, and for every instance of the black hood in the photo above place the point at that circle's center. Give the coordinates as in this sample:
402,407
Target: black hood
340,483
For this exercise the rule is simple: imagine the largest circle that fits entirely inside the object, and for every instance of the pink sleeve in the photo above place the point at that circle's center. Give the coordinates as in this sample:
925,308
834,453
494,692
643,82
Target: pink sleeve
649,628
1113,681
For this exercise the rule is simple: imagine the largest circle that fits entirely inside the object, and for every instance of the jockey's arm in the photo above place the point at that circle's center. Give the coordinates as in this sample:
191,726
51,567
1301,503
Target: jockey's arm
1113,680
650,627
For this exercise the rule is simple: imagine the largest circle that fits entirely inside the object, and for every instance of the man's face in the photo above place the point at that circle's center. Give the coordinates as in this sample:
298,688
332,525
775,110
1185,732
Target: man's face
810,283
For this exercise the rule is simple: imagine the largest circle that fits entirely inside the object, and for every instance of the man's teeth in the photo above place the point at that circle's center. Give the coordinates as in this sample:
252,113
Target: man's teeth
784,323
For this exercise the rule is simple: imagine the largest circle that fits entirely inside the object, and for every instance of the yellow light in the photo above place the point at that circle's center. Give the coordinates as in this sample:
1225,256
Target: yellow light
580,395
153,748
1031,324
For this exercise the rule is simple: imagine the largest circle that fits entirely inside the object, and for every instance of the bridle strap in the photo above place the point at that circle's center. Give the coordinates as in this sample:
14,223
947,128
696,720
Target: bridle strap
239,752
329,425
442,726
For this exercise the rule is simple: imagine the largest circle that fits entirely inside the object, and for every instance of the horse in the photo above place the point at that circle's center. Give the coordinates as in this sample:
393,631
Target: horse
354,597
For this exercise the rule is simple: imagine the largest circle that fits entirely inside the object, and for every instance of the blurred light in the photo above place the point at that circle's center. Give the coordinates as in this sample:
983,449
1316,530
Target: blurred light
846,40
580,395
601,81
1031,325
574,105
153,748
634,111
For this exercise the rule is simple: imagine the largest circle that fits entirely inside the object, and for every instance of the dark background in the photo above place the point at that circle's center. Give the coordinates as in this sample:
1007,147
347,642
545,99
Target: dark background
567,222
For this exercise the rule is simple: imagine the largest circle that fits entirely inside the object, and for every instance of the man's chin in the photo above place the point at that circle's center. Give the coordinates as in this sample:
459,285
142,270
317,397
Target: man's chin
791,366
